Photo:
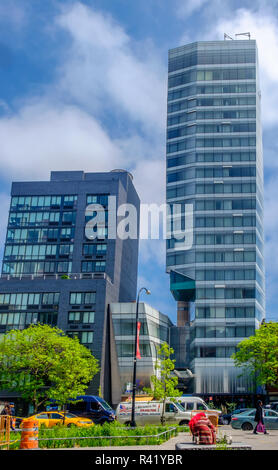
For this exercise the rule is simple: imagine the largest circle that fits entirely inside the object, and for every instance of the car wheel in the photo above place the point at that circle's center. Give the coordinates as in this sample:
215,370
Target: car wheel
71,425
246,427
225,422
183,423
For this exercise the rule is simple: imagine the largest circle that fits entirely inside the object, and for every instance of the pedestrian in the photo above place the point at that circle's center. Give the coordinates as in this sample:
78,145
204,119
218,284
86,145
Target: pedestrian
259,418
8,412
13,420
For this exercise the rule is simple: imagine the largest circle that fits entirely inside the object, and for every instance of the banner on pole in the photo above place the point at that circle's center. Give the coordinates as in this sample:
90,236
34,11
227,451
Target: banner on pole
138,355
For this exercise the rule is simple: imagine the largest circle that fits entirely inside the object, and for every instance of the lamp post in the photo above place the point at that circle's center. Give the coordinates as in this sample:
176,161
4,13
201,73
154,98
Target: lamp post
132,422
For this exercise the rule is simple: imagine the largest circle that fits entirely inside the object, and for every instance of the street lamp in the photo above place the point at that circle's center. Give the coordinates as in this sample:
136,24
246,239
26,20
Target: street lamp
133,423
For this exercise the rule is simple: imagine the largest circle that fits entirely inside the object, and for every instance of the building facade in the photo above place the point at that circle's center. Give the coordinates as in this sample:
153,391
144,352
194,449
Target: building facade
215,166
54,273
155,329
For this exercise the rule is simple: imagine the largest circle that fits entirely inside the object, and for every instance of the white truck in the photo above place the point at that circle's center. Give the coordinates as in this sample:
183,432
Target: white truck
150,412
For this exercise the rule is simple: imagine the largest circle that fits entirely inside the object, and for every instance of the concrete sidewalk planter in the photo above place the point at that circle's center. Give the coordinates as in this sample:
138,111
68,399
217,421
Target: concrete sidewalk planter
190,446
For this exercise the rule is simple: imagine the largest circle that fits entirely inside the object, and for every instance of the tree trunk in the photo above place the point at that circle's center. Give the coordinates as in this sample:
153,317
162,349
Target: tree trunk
163,412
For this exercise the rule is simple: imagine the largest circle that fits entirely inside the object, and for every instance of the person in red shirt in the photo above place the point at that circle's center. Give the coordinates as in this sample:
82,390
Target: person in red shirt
202,429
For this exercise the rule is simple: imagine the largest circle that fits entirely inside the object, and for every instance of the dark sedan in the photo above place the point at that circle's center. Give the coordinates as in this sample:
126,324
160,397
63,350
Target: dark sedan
226,418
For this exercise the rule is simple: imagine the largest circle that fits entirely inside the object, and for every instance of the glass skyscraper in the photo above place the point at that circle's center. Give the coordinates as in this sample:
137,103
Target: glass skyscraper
214,163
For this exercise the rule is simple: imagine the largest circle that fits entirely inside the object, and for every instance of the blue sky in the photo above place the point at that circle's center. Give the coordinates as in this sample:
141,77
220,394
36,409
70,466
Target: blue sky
83,86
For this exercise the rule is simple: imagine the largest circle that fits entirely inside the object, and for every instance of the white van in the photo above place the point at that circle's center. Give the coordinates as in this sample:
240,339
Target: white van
191,403
149,412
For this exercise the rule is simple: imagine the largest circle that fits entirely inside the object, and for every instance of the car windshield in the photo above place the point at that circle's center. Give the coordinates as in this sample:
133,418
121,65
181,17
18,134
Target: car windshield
179,406
104,404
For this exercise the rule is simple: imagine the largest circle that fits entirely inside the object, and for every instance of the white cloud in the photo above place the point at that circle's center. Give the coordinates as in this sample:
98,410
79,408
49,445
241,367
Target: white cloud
185,8
263,26
43,136
104,68
149,179
102,73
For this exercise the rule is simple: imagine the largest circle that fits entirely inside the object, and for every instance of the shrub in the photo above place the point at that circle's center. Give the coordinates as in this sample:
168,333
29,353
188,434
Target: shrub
124,436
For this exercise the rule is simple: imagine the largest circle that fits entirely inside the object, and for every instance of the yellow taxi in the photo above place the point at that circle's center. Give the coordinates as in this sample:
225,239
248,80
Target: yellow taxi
54,418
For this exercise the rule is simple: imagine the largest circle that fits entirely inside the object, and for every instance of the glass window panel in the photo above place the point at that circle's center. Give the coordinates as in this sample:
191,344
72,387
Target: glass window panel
220,312
210,332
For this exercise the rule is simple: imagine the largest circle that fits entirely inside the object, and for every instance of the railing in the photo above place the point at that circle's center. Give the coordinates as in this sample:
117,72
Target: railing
7,442
5,431
169,431
45,277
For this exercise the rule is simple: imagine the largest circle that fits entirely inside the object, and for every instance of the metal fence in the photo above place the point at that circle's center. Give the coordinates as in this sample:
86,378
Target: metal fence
5,438
169,432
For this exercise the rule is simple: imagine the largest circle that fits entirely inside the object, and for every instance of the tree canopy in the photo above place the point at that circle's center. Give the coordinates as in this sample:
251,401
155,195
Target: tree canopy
164,383
259,354
42,363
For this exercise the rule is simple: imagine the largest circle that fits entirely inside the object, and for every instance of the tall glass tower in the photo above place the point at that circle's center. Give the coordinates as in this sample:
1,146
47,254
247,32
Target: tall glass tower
214,163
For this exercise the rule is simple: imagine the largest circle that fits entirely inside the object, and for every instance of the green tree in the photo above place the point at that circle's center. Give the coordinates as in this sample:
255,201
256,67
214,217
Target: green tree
258,354
164,383
42,363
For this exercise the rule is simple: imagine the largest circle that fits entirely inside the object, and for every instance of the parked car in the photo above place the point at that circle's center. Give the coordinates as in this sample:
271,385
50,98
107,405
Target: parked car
245,420
226,418
52,418
150,412
274,405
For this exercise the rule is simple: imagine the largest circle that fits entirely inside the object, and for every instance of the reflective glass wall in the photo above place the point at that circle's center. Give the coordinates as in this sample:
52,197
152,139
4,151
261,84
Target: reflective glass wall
214,162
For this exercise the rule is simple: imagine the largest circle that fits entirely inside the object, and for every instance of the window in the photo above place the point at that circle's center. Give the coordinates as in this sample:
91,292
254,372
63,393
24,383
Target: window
93,266
78,407
86,337
50,298
74,317
170,408
95,406
101,199
94,249
88,317
68,218
69,201
55,416
85,298
200,406
42,416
